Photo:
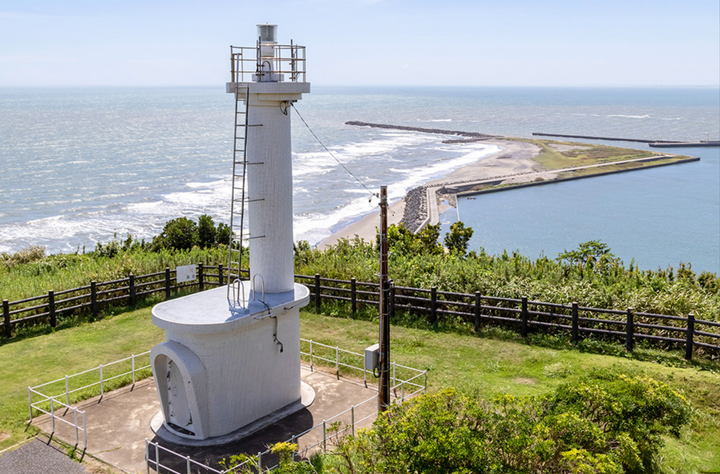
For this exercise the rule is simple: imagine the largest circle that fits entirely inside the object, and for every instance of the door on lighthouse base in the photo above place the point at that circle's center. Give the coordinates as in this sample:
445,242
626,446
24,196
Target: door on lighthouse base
178,405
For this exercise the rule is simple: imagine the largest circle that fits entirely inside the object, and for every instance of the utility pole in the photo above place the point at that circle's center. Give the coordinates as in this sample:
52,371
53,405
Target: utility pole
384,383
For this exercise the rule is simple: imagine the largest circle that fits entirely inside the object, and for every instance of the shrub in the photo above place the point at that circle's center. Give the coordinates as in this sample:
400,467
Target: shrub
26,255
608,423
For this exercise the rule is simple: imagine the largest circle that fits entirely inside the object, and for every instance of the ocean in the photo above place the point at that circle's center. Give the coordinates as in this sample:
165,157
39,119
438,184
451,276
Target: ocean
79,166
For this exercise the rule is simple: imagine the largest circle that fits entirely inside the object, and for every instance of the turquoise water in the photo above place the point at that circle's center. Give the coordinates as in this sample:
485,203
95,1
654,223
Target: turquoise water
79,165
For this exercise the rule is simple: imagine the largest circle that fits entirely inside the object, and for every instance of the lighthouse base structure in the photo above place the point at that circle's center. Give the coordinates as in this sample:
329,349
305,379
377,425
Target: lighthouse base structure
220,371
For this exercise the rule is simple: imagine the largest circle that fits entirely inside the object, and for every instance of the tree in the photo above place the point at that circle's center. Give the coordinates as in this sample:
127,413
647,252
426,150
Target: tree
590,252
179,234
223,234
401,241
207,234
456,241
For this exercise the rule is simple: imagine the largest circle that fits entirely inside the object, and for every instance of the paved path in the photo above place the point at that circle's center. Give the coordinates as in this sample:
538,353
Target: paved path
118,423
37,457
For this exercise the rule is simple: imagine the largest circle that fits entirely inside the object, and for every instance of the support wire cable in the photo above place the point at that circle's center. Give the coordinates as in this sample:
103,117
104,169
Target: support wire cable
372,194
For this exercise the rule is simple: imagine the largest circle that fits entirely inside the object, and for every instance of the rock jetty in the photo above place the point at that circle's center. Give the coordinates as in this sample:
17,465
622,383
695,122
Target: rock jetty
416,210
473,135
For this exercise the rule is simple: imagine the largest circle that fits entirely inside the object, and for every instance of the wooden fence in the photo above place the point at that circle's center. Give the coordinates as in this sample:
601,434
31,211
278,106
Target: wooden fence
125,291
527,315
515,313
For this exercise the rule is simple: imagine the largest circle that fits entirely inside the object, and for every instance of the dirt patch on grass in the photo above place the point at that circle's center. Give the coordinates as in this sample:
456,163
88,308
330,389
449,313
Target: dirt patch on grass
524,381
560,147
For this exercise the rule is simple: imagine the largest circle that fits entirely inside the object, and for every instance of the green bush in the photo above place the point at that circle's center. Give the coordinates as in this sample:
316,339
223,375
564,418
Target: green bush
590,275
608,423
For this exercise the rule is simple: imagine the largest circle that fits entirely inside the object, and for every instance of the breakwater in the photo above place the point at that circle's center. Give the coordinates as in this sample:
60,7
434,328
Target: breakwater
590,137
463,193
416,211
473,136
684,144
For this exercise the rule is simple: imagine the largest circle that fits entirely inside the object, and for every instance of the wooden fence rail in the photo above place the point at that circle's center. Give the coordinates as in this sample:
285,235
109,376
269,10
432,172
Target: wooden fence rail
515,313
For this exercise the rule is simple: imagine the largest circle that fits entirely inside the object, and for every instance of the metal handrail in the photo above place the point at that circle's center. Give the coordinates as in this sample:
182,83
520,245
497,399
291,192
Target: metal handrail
323,441
245,65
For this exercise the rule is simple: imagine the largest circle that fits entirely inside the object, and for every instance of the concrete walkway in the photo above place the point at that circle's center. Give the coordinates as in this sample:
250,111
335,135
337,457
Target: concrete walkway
119,423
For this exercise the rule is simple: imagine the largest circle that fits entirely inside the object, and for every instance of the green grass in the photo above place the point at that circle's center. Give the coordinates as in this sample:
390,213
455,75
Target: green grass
589,154
497,362
35,360
65,271
502,363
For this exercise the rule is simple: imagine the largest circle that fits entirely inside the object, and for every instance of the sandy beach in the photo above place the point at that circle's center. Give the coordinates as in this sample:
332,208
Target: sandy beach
515,158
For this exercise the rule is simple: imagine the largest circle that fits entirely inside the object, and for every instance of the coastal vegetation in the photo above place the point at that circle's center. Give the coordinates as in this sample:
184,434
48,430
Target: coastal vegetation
605,422
590,274
556,155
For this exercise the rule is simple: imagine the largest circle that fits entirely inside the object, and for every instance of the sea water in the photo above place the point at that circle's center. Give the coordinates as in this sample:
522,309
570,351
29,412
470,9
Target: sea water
656,217
81,165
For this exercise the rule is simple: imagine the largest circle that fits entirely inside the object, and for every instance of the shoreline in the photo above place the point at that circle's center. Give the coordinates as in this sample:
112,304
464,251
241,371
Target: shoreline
514,166
514,158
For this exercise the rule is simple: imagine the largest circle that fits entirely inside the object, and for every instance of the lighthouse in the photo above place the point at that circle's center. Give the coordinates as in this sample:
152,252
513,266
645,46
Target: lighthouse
230,363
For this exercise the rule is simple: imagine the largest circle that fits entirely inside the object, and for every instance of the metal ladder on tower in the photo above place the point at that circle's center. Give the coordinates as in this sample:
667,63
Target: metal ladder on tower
239,187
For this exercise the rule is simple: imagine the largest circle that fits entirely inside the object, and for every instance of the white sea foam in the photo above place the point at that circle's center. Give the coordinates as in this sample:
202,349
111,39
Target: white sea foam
315,227
154,158
630,116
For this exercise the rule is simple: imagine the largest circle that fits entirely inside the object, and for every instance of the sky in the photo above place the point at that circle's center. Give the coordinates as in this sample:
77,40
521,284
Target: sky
365,42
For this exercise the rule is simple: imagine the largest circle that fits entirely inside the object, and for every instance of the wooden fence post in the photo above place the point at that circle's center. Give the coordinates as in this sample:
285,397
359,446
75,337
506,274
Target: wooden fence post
220,275
391,299
167,282
51,308
433,304
477,311
629,330
6,319
690,332
317,292
353,295
523,316
201,282
93,298
131,284
575,337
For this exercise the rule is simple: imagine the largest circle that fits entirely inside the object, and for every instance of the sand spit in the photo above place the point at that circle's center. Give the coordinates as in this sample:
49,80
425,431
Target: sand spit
422,205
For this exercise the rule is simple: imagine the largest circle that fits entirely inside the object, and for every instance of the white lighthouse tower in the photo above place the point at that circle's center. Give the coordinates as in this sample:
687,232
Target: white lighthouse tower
231,360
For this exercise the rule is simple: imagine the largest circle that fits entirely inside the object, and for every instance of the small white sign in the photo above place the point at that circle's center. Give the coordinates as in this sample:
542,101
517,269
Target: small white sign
186,273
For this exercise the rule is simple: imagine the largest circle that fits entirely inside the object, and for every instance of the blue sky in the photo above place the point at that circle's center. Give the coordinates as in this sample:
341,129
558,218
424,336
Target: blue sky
366,42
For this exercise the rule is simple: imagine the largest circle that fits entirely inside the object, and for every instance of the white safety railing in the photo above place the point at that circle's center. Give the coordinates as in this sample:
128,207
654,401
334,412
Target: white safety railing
414,384
189,463
395,382
48,404
52,412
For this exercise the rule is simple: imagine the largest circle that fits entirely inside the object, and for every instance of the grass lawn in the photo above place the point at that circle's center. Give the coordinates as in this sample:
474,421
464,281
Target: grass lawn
493,364
586,154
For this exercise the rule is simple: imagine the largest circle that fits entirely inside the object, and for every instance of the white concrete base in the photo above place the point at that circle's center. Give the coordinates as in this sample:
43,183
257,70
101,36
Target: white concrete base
161,430
221,369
